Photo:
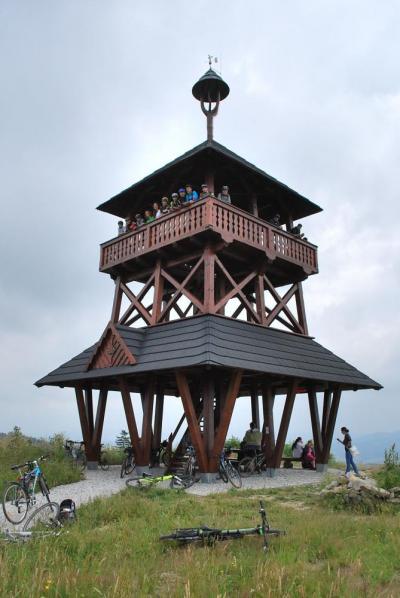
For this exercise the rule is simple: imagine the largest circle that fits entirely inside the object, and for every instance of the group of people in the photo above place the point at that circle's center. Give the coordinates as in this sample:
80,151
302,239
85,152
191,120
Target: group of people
184,197
305,452
295,230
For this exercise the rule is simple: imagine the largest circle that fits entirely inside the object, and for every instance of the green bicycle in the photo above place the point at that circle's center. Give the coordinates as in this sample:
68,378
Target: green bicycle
209,536
146,480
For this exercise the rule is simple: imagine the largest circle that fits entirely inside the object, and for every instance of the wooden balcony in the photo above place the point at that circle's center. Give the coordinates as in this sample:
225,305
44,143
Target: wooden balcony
229,222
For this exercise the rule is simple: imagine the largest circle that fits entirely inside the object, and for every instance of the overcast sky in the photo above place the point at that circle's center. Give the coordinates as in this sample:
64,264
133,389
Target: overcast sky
97,94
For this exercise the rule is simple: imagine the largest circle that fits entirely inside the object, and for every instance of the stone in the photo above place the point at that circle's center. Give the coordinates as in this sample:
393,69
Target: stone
359,484
394,501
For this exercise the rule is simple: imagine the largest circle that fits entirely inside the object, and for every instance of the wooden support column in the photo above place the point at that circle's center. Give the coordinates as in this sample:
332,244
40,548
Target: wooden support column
89,409
325,411
255,411
147,430
268,427
98,426
86,432
208,413
158,416
226,416
315,423
194,429
158,293
209,291
331,424
130,420
301,309
254,205
116,308
260,298
284,426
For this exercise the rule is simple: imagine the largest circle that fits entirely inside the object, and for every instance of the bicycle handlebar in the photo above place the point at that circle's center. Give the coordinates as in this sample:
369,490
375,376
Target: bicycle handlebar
29,463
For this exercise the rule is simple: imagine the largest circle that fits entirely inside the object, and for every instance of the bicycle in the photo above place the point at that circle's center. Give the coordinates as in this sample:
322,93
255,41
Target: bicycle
43,522
146,480
228,472
79,457
209,536
128,464
249,465
19,496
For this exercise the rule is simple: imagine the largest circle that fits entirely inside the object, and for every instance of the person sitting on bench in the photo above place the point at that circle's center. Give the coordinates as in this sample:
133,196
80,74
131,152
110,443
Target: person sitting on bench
297,448
308,457
252,439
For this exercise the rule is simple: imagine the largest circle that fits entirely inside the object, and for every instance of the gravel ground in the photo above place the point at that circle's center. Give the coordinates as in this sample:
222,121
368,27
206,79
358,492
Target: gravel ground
105,483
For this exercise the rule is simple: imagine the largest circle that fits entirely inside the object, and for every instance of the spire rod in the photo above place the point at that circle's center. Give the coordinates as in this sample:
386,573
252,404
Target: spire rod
210,89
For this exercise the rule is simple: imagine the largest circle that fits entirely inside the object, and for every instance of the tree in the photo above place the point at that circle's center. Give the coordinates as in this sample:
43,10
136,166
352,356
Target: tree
123,440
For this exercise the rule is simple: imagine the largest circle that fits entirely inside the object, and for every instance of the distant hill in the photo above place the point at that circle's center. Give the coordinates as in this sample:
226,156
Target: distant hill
371,446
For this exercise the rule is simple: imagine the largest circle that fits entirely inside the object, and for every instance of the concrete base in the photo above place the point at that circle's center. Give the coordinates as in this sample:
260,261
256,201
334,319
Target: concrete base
270,472
208,478
92,465
322,467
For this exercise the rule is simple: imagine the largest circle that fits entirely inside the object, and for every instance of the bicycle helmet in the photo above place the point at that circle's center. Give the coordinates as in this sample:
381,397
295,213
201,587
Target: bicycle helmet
67,511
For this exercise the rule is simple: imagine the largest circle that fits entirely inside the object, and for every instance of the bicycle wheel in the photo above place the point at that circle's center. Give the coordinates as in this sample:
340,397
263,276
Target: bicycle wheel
247,466
181,482
130,465
15,503
104,464
43,519
133,482
233,475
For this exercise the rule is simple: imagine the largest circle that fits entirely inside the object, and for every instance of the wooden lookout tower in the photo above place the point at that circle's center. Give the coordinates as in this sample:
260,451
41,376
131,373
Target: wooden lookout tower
208,308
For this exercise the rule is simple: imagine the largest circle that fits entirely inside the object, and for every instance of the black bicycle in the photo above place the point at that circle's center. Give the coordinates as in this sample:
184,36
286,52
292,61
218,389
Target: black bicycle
128,464
228,472
19,496
208,535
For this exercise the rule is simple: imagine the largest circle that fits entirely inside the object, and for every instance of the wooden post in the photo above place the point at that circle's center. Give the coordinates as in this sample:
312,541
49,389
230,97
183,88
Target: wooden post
284,426
255,412
131,421
208,413
268,427
209,291
158,416
86,432
195,434
226,416
158,293
315,423
89,409
325,411
98,427
260,298
147,430
331,424
254,205
116,308
301,310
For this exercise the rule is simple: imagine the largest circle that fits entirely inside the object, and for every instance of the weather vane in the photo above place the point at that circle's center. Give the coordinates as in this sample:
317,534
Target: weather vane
211,59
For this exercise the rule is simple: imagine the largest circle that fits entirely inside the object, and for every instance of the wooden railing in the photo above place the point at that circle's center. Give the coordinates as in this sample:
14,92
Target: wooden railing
232,223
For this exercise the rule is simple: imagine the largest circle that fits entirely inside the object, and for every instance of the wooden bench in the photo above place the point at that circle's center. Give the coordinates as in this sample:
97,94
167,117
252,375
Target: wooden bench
288,461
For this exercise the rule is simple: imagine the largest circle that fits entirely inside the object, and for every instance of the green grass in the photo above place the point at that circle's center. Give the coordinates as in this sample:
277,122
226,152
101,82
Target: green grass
16,449
114,550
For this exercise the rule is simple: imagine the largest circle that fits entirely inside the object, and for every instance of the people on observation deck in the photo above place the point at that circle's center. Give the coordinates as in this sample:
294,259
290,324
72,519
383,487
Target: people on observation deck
121,228
296,231
149,216
204,191
165,205
156,210
191,195
176,199
182,195
224,194
139,220
275,220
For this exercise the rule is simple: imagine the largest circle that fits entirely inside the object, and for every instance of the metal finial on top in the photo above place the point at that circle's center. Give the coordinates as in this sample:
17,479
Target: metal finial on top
210,89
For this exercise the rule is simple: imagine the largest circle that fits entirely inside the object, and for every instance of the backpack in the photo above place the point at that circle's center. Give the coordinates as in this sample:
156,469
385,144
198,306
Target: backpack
67,512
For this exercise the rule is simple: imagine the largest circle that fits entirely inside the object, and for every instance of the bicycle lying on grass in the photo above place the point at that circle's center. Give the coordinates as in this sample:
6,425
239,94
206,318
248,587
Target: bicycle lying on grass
42,523
209,536
146,480
19,496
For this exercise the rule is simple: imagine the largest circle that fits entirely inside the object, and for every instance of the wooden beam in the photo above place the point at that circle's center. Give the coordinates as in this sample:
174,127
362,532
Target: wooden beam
86,433
281,306
255,412
130,420
331,424
209,274
158,417
181,290
116,308
194,429
315,423
301,309
325,411
140,296
284,426
208,413
268,398
158,293
136,303
260,298
89,409
147,430
235,291
241,296
226,416
98,426
174,434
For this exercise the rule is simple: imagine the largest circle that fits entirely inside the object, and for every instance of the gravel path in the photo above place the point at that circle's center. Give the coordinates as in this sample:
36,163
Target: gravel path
105,483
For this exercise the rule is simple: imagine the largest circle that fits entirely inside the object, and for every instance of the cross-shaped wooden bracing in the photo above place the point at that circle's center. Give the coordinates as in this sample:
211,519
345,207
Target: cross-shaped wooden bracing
91,429
204,284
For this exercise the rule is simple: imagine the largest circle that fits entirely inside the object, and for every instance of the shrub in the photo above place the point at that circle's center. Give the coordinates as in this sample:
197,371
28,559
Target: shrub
389,476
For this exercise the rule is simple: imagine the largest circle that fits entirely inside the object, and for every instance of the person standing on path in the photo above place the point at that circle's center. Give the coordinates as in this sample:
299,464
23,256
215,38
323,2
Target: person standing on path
347,449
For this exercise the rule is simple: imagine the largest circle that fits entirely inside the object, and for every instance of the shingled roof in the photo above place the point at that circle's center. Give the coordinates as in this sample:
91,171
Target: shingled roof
216,341
227,165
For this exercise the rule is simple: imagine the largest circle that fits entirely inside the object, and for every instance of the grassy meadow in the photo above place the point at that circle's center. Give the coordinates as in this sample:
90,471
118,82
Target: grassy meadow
114,550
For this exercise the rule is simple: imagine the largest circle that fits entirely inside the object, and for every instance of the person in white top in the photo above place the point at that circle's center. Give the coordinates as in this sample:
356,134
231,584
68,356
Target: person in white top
297,448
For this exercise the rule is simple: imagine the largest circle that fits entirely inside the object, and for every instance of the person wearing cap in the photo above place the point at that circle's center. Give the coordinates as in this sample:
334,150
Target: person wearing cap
139,220
224,194
177,200
165,205
182,195
204,191
191,194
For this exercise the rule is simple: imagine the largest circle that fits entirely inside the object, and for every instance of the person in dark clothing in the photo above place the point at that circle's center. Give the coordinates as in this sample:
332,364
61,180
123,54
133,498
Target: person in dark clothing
347,449
275,220
308,456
